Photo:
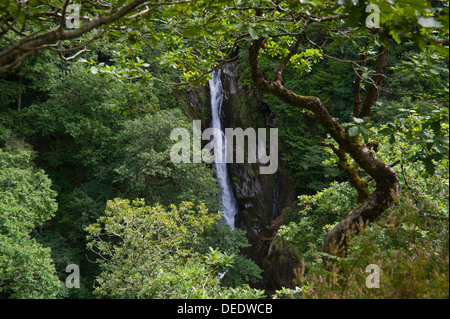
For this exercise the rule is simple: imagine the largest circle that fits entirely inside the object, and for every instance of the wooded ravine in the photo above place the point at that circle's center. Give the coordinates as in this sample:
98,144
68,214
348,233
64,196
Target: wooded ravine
224,149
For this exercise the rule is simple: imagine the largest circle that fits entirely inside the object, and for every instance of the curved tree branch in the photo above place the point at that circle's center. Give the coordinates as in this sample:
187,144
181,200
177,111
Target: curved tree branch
388,186
12,57
292,52
351,171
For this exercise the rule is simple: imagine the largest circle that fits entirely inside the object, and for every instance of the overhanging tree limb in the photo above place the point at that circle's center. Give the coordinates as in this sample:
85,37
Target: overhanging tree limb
12,57
388,187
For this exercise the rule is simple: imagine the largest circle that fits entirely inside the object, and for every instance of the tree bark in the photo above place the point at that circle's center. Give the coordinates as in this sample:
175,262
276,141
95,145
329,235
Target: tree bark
19,96
373,91
357,88
387,183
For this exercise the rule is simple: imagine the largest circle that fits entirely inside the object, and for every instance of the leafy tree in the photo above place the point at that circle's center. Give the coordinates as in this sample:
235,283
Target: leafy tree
231,241
297,33
409,242
147,252
26,202
144,168
43,25
297,51
370,206
93,153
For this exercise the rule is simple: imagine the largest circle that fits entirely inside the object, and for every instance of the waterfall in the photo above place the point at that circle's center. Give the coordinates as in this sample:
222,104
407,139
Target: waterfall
229,205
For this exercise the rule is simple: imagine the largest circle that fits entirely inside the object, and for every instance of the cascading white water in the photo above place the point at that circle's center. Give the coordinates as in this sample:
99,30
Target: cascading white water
229,205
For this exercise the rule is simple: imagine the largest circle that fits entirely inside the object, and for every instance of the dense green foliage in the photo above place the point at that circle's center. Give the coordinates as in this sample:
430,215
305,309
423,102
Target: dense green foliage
86,176
409,243
94,152
147,252
26,201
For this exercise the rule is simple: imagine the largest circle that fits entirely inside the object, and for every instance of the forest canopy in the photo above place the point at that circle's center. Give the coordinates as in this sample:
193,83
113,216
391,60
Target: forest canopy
90,91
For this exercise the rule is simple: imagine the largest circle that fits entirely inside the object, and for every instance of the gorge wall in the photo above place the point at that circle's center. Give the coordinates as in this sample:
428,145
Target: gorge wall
261,197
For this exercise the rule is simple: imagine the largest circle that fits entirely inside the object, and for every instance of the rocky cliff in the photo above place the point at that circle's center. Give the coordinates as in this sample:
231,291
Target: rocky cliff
261,197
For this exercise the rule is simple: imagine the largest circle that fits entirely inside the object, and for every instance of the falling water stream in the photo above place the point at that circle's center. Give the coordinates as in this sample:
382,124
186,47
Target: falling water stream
227,198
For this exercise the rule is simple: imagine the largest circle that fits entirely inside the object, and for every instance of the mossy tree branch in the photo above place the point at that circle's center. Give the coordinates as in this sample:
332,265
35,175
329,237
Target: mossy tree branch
351,171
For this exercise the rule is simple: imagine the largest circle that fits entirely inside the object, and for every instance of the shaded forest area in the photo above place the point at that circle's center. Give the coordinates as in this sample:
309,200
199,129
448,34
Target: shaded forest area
86,176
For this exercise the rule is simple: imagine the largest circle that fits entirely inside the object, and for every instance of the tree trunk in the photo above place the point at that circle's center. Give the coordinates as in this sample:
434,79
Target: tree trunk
19,96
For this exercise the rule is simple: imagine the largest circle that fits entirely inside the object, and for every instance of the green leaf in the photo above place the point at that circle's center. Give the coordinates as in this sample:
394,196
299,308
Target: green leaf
192,31
430,167
253,34
353,131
